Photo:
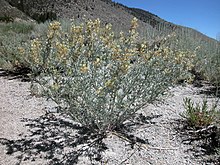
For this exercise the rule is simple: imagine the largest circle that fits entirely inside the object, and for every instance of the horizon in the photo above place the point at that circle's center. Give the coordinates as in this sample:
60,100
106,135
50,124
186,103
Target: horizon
201,15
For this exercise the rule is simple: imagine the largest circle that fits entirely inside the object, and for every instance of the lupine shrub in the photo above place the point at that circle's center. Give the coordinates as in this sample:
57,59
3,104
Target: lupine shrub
10,52
211,65
99,79
207,59
17,27
13,39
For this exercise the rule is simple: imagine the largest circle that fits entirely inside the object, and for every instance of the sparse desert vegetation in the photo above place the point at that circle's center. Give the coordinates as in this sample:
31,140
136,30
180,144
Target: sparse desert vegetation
101,76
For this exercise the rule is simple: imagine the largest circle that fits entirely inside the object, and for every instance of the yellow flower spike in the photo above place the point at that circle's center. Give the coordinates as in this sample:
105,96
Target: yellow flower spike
50,35
76,29
157,53
96,25
80,39
97,22
99,90
190,80
143,47
97,61
108,27
134,23
55,26
53,29
62,50
146,56
21,50
109,83
122,36
84,68
167,71
55,86
125,67
35,50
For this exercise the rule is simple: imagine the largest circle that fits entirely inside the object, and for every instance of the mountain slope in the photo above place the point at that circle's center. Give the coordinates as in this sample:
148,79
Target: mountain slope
108,12
6,10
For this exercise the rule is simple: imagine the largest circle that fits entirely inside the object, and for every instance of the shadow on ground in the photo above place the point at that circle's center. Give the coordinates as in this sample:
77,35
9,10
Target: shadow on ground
213,91
205,141
17,73
58,140
207,88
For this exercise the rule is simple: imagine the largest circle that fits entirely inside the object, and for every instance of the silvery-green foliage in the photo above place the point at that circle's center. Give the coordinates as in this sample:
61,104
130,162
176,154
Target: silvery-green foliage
99,80
104,97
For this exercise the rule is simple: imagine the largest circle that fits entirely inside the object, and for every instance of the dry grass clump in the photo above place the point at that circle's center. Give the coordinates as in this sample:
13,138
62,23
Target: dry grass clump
198,115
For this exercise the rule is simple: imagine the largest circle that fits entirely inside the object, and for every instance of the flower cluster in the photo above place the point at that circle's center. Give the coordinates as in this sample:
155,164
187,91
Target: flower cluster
21,50
103,78
35,51
53,29
62,51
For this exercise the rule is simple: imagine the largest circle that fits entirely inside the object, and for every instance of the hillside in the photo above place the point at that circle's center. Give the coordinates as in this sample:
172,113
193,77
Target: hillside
77,93
79,9
151,27
108,12
8,11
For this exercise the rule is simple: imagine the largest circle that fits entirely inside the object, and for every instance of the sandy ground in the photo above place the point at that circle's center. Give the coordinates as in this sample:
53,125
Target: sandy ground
31,135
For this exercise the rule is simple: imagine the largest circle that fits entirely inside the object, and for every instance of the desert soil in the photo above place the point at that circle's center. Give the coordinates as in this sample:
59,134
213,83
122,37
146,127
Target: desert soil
32,131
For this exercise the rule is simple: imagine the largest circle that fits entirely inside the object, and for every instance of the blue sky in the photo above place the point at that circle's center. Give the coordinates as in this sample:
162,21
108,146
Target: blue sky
202,15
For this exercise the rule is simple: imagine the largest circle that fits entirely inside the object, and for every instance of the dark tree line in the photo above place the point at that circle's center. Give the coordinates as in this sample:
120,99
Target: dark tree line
40,10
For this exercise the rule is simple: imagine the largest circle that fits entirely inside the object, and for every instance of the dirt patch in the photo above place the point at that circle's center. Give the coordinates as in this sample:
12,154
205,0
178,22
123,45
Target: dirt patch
32,134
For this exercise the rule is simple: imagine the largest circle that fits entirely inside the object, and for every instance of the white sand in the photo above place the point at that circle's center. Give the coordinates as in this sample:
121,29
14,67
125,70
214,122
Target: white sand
165,146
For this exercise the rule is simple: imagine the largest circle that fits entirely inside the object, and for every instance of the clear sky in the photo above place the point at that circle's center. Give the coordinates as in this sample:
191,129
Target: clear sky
202,15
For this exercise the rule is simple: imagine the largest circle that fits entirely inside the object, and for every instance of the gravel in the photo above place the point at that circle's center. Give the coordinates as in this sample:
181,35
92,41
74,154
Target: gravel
32,131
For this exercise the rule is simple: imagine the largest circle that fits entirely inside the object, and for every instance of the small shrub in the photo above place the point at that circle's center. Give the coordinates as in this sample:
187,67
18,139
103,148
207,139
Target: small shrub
45,16
198,115
10,52
203,127
14,41
6,19
17,27
98,79
211,68
13,37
